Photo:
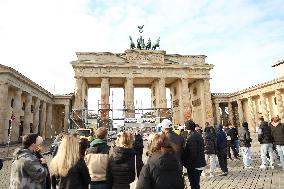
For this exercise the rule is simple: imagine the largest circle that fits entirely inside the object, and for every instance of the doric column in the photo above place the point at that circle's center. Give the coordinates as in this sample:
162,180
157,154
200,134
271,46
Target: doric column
105,100
49,130
264,107
218,115
67,110
251,113
42,119
207,102
224,119
240,111
185,100
279,104
129,98
17,109
162,102
4,116
36,116
230,111
27,114
78,104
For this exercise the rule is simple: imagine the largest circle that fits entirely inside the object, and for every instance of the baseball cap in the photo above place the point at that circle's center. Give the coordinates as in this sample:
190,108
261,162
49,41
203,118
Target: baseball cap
166,124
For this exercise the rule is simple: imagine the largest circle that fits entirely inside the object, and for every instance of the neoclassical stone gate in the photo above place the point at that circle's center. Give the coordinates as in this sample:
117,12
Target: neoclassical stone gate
186,76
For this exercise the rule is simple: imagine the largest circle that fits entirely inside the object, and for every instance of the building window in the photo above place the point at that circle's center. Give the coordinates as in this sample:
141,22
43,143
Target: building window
24,106
32,108
12,103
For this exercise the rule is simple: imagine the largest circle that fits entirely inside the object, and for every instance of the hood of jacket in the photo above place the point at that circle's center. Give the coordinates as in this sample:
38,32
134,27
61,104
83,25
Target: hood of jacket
219,127
264,124
164,162
22,152
122,155
97,142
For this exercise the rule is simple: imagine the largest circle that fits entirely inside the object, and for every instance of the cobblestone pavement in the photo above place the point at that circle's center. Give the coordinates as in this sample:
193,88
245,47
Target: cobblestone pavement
238,178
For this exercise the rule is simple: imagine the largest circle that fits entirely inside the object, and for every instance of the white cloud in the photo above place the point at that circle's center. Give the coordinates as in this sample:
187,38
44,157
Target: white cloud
40,37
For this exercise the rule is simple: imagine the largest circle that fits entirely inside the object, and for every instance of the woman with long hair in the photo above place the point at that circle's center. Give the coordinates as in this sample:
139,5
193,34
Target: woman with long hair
121,168
162,170
68,167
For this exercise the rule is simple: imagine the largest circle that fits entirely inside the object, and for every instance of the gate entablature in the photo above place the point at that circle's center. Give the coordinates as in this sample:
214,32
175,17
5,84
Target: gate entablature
155,69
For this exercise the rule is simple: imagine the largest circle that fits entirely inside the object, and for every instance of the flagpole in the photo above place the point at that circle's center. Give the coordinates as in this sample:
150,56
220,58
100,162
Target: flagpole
9,138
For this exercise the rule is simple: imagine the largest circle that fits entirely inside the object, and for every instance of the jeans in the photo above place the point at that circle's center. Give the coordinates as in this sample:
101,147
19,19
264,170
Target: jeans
99,186
246,151
211,158
264,149
231,145
280,150
222,158
194,177
237,145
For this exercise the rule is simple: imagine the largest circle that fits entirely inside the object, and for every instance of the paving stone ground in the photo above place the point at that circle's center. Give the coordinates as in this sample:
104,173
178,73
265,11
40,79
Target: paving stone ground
238,177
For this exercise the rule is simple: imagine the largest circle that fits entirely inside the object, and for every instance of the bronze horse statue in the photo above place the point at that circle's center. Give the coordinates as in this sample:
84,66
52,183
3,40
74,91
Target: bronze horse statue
132,44
157,44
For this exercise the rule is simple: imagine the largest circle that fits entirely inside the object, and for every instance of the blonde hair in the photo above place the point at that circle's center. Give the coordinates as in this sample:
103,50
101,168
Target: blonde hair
125,140
66,157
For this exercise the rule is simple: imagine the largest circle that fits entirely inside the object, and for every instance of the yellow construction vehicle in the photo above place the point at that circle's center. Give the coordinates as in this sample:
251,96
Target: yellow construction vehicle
87,133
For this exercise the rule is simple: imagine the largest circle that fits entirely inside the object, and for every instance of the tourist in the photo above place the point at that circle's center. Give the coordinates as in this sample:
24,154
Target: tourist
265,138
221,144
193,158
210,148
97,157
56,143
175,139
39,141
199,129
68,167
161,170
245,143
138,148
121,167
277,131
27,171
1,163
232,140
83,145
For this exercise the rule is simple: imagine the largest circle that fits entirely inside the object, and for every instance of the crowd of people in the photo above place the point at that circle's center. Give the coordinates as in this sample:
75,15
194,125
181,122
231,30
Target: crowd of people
97,165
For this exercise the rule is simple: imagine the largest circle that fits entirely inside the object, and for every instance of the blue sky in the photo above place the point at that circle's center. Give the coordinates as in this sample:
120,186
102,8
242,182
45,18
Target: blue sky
242,38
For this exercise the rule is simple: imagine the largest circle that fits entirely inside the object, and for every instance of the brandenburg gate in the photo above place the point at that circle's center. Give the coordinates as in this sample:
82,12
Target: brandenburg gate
187,77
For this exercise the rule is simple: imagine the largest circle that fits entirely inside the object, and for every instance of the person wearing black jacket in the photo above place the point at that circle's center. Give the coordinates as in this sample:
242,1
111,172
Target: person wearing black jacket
68,167
138,148
232,138
162,169
1,164
221,144
278,135
193,157
210,148
245,143
265,138
121,166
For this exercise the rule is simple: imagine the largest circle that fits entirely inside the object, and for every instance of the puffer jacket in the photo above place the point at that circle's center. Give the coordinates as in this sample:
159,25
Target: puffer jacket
96,158
209,140
193,154
161,172
278,134
264,133
221,138
244,136
121,168
26,171
77,177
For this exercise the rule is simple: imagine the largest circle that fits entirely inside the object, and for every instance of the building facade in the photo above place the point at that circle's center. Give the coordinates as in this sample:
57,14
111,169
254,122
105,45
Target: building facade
26,107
